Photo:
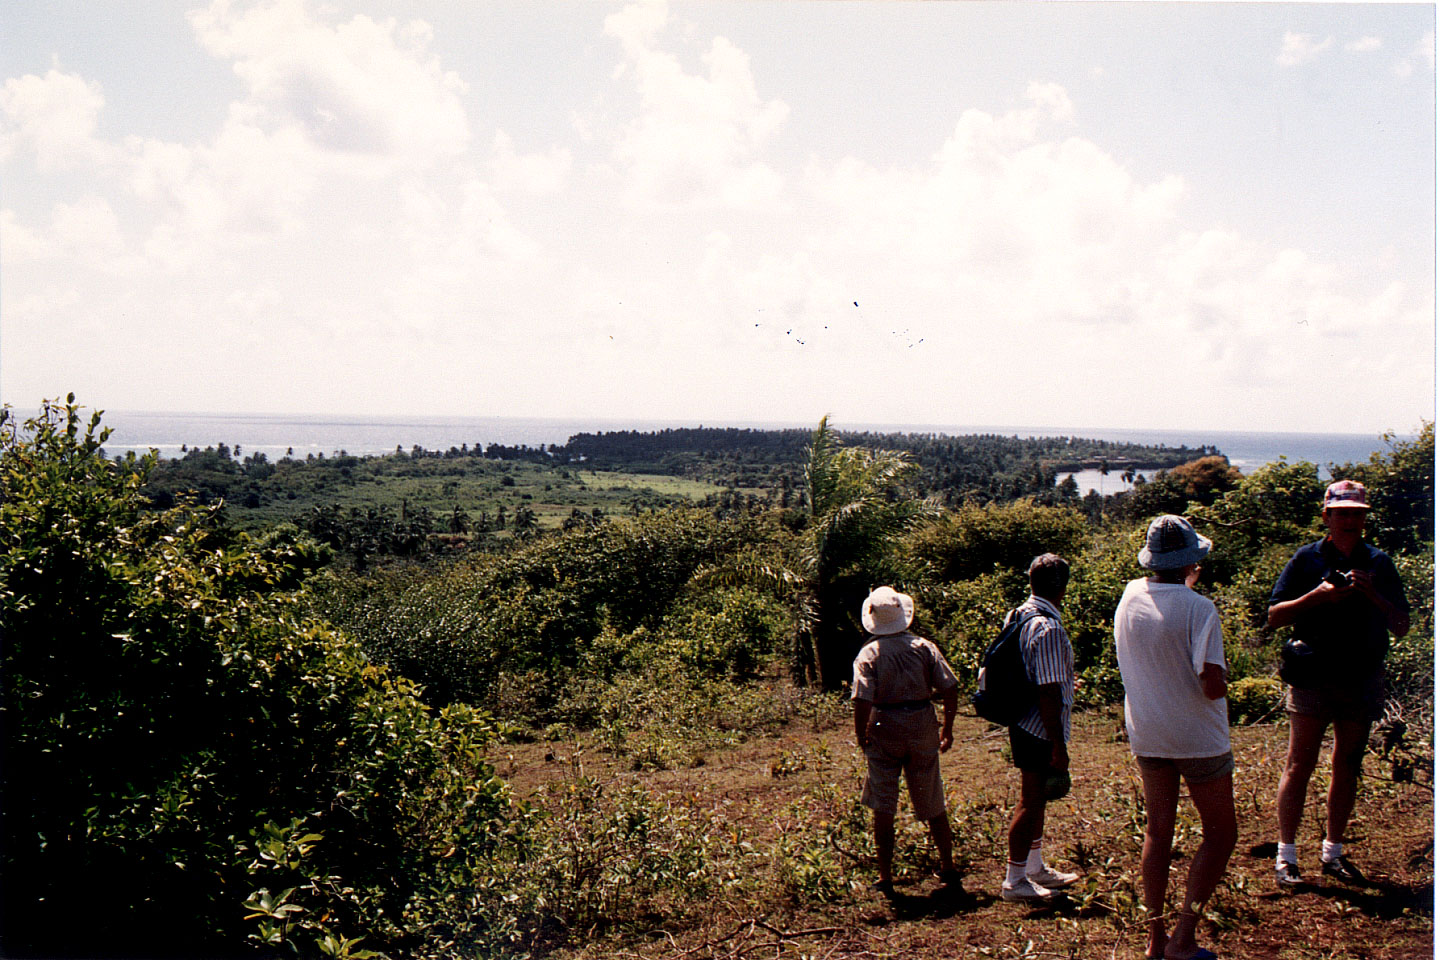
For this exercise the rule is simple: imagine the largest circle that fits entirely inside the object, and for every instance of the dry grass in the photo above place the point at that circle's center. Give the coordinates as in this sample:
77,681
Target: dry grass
787,786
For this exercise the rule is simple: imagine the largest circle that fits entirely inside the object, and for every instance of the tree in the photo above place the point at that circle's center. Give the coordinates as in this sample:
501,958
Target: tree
525,522
857,515
1401,485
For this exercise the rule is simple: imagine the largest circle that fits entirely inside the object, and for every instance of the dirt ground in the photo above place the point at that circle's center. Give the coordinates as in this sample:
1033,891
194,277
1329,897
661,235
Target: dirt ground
760,785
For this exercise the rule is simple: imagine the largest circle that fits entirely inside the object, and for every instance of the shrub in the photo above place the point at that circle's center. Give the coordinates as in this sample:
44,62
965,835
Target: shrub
538,608
187,759
728,632
973,540
1252,699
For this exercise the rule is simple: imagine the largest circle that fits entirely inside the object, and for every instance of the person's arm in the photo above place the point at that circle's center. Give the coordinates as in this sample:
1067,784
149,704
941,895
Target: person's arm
1051,701
862,722
1396,618
1286,612
1213,681
950,699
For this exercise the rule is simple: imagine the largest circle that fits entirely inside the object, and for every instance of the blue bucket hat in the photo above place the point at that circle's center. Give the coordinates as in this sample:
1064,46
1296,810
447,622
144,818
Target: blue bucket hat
1171,543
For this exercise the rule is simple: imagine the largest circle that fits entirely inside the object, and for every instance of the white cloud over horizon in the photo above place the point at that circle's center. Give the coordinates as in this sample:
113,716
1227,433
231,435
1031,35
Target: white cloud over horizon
360,233
1298,48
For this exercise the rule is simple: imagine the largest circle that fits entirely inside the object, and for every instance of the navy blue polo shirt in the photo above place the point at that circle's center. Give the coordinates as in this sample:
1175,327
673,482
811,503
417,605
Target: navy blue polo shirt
1351,634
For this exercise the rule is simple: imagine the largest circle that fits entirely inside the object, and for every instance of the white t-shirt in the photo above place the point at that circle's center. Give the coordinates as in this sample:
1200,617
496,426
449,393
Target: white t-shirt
1165,633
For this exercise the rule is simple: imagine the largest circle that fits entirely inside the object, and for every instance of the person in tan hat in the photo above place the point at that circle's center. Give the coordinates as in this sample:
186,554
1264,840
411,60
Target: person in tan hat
895,676
1344,598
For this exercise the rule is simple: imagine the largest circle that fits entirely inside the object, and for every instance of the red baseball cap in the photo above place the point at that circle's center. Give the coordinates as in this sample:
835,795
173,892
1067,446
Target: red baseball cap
1346,493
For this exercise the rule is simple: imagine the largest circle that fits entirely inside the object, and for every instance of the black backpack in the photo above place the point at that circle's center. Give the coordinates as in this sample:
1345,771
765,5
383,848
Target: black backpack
1007,693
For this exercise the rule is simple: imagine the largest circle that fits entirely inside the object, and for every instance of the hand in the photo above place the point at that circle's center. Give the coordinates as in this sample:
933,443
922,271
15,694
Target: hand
1362,581
946,739
1328,592
1060,756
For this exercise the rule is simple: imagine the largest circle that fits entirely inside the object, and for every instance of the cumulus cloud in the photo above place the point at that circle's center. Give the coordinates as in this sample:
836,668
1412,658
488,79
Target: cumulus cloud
536,173
365,87
697,137
1299,48
55,117
1364,45
348,216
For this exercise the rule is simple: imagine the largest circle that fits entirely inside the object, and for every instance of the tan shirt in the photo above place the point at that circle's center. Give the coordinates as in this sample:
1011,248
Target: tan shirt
900,667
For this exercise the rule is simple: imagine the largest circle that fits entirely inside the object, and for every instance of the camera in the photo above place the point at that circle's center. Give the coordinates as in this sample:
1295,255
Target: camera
1339,579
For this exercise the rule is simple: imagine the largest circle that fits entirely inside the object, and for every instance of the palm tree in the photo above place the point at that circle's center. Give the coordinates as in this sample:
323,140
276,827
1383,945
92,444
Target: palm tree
855,515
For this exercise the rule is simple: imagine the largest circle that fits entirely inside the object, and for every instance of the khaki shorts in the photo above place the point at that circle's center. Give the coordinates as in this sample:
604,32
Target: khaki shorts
1193,769
1362,702
907,740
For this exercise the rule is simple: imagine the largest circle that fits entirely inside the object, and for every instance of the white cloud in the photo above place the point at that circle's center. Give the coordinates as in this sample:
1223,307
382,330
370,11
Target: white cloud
1054,97
55,116
363,87
536,173
21,244
696,138
1298,48
349,238
1364,45
1422,54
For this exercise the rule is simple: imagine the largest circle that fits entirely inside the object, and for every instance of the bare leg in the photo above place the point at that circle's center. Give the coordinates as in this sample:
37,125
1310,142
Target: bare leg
1215,802
944,840
1346,760
1306,732
1162,794
1028,822
885,844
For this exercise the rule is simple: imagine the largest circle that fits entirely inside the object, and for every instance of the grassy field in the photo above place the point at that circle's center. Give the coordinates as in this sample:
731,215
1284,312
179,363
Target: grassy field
781,814
475,487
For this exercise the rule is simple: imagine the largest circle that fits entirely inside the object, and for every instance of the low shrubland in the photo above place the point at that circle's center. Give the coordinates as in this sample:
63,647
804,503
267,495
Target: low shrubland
625,730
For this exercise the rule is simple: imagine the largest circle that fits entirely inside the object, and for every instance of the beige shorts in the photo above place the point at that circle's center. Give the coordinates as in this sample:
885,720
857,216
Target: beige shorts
907,740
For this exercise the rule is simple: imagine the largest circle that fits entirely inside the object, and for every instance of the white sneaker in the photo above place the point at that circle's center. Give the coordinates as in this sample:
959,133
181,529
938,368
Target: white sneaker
1052,879
1023,890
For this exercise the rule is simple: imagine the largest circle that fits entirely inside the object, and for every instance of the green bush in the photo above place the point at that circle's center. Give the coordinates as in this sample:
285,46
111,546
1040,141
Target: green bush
188,761
973,540
540,608
728,632
1252,699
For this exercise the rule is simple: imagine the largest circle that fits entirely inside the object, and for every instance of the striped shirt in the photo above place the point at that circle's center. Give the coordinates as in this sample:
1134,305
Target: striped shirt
1048,659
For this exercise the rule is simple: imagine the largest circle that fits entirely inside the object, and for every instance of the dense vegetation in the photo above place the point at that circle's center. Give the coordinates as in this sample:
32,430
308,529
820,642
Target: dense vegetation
224,737
494,488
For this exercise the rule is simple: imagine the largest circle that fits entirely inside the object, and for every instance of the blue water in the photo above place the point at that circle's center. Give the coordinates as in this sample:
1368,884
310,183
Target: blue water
277,435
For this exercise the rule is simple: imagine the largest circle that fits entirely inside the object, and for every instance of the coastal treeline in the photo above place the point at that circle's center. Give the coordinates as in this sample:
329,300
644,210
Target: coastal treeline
496,488
227,739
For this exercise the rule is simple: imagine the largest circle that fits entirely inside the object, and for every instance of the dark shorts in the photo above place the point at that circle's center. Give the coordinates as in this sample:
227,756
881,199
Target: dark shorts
1362,702
1029,752
1193,769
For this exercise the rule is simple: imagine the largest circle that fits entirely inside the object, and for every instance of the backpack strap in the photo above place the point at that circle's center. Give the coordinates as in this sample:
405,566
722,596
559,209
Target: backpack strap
1020,627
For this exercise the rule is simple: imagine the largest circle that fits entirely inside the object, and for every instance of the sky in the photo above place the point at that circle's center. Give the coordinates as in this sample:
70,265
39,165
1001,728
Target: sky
1187,215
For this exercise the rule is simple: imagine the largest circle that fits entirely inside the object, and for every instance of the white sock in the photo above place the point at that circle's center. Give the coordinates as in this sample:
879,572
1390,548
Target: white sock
1329,851
1285,853
1014,872
1035,862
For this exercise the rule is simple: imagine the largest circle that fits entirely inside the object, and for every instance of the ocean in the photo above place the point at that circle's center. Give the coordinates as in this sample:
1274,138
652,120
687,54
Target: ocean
298,436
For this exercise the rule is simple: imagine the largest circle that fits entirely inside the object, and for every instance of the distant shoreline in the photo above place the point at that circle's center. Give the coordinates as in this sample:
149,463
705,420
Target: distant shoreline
274,435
